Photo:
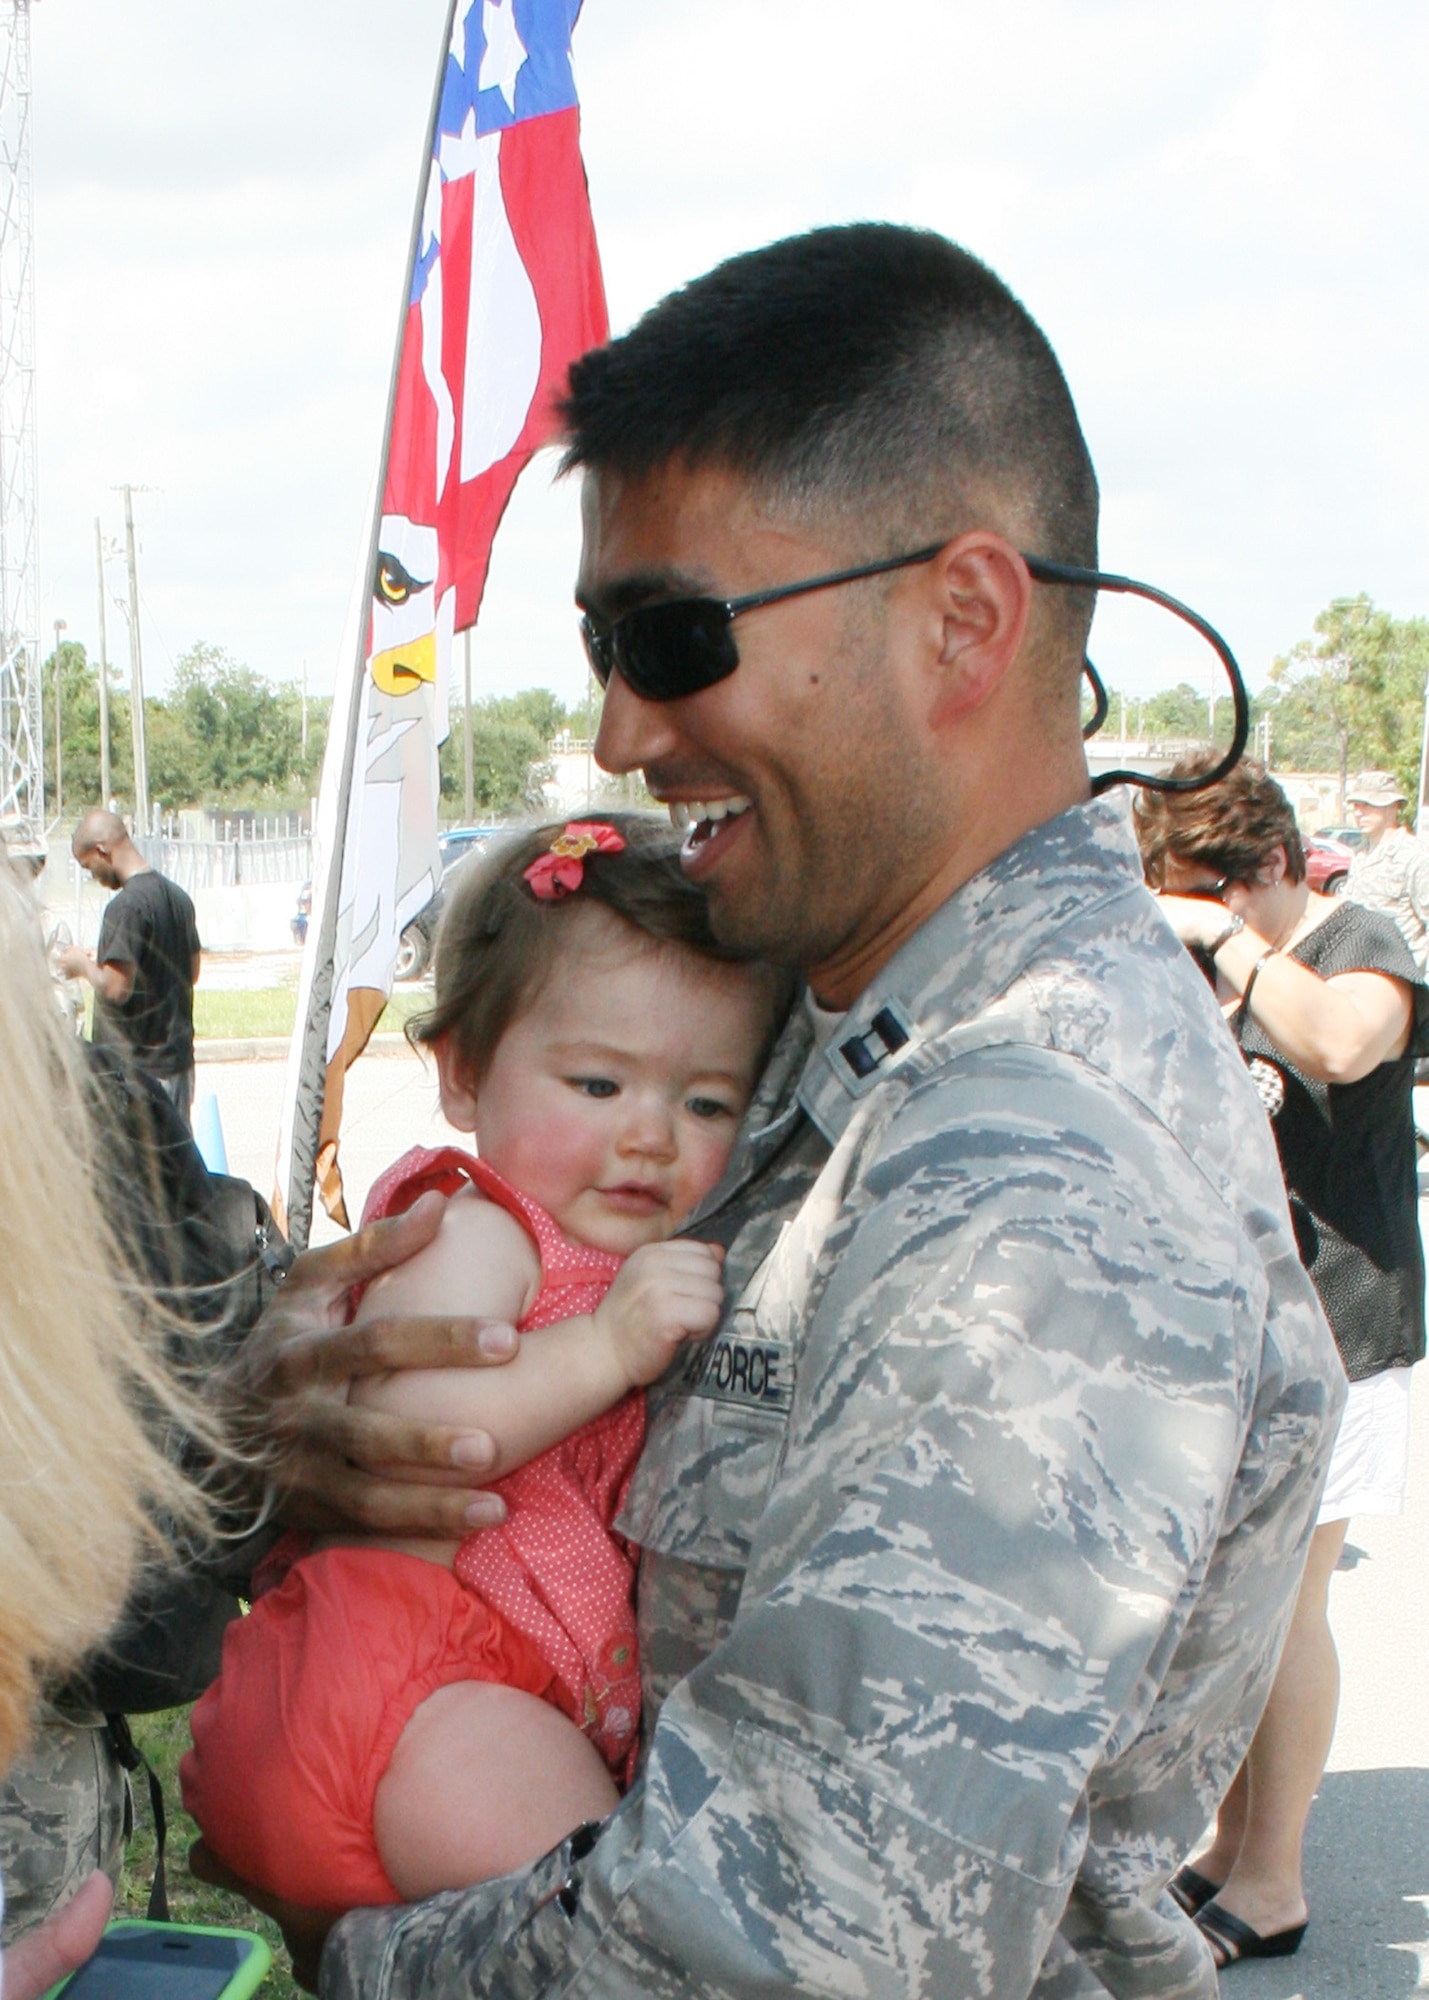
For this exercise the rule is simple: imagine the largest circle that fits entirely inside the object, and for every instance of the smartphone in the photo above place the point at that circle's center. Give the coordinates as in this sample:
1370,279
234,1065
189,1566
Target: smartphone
138,1961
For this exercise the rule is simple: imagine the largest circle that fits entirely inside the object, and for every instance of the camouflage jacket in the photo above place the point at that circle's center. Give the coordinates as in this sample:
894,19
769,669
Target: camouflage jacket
971,1537
1393,876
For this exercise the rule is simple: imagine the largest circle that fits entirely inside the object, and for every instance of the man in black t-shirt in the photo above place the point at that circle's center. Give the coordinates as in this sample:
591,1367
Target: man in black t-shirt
147,962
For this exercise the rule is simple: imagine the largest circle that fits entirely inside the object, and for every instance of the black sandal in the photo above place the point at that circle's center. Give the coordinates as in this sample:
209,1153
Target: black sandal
1230,1938
1190,1890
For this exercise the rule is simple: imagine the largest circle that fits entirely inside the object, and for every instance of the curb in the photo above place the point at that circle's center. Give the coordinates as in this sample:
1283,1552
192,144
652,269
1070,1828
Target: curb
274,1048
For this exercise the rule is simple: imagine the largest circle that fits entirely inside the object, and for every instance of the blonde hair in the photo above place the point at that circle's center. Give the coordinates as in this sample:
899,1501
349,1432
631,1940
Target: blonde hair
82,1383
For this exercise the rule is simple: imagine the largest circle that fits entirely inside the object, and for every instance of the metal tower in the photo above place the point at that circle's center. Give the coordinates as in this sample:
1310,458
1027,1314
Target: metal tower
21,710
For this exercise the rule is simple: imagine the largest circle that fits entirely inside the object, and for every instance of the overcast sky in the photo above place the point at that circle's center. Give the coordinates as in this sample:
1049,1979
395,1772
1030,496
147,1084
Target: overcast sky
1217,212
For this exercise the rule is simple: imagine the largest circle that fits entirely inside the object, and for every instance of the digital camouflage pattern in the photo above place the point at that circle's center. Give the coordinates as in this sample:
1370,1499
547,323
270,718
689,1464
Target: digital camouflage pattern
971,1538
1394,877
64,1808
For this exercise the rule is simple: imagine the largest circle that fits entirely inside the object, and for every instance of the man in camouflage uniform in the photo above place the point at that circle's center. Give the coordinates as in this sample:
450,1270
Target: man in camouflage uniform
970,1539
1391,871
65,1810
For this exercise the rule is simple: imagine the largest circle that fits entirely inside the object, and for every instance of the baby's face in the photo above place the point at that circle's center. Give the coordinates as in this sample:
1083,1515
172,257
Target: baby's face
614,1099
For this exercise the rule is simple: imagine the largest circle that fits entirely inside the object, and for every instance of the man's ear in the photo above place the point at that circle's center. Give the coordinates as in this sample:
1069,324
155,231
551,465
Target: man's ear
984,597
458,1094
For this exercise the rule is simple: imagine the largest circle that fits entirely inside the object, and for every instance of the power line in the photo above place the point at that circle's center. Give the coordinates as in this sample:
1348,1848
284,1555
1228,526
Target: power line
22,725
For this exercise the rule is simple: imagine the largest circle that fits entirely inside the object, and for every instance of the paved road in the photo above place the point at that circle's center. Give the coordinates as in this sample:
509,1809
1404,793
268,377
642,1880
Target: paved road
1368,1850
391,1104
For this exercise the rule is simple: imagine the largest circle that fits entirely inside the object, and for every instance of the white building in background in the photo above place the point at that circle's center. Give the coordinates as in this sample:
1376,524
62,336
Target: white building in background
577,784
1314,795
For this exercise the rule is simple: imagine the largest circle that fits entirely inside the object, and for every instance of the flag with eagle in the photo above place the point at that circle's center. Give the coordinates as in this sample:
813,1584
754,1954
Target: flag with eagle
504,291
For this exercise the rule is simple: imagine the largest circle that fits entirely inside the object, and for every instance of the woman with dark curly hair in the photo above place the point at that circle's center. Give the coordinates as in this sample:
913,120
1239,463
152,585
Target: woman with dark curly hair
1327,1006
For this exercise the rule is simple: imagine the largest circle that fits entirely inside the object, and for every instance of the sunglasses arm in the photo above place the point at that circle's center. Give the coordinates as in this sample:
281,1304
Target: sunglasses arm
1071,574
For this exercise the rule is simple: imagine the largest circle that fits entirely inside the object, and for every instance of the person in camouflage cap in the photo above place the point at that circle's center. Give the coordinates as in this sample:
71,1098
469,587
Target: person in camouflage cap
1391,871
970,1539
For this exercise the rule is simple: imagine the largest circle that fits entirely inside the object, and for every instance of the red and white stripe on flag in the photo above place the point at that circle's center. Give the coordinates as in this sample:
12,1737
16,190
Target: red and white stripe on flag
504,293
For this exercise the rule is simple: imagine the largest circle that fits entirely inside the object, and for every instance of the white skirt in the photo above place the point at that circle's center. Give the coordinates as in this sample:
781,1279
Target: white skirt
1369,1466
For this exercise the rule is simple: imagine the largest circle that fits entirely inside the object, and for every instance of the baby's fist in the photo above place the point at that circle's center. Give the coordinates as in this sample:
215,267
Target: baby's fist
665,1293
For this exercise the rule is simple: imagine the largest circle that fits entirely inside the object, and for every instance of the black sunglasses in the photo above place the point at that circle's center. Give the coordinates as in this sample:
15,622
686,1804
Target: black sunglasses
668,650
1209,892
678,647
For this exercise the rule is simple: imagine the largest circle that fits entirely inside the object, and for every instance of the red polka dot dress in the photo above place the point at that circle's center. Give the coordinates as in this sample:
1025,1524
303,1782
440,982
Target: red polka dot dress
556,1571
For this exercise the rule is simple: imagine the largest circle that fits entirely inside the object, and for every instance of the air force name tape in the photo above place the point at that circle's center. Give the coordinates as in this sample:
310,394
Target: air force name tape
733,1369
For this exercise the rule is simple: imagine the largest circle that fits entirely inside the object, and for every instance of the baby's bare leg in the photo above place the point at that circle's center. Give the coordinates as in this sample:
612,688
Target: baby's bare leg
484,1779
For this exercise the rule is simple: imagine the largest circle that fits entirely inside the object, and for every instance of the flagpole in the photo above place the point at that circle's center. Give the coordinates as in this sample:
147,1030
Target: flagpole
466,732
307,1090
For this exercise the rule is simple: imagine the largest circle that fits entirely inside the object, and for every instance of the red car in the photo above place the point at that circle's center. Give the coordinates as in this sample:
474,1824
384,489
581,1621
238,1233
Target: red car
1327,863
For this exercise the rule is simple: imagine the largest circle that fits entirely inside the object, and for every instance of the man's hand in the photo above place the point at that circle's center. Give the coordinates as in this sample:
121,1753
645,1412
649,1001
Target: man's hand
304,1931
664,1293
114,981
73,961
60,1945
287,1388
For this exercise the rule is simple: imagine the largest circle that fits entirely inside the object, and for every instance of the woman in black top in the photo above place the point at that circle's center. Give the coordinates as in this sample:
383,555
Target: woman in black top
1326,1004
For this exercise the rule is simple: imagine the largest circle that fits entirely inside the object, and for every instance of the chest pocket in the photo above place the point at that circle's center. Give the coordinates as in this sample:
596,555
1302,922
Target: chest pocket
717,1430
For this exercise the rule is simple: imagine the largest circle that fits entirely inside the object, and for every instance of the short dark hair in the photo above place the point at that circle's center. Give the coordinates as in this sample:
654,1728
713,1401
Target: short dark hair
869,362
98,827
1232,827
499,943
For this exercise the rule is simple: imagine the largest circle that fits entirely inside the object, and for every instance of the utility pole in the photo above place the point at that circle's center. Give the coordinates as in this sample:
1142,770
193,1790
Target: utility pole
1423,766
136,674
60,627
22,708
105,788
305,709
466,728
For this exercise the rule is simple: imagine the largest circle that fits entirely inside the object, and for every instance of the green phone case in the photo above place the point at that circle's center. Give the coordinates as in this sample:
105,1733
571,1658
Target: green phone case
244,1983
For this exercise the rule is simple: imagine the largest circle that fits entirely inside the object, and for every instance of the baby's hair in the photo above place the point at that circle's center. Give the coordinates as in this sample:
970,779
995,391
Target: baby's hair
499,943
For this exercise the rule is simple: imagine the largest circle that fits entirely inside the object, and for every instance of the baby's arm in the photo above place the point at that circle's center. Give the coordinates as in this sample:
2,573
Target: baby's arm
481,1264
562,1375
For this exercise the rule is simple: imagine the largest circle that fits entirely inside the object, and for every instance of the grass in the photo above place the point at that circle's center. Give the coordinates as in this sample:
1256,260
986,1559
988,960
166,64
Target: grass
163,1739
224,1016
221,1015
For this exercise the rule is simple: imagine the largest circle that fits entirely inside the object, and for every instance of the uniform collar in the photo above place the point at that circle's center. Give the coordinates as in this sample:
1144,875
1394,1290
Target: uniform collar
971,950
771,1120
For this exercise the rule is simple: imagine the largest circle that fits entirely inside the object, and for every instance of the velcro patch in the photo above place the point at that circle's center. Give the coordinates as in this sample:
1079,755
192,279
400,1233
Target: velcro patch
734,1369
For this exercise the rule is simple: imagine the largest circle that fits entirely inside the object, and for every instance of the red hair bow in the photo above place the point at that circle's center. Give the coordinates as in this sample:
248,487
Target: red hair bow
562,868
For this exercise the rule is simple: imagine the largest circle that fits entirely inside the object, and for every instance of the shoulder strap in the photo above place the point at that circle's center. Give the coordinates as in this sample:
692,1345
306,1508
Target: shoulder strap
132,1758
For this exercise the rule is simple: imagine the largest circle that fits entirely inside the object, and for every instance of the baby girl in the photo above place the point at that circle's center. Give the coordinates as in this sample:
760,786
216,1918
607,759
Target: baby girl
398,1717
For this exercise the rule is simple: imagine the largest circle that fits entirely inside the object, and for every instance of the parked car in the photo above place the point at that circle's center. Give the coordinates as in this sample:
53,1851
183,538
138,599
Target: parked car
1348,836
1327,863
459,841
414,950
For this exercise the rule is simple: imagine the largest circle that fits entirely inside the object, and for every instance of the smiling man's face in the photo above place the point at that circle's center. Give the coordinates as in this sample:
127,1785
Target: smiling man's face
806,751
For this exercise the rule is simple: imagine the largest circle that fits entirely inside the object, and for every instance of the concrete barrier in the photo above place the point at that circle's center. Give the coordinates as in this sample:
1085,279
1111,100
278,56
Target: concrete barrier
256,918
252,917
